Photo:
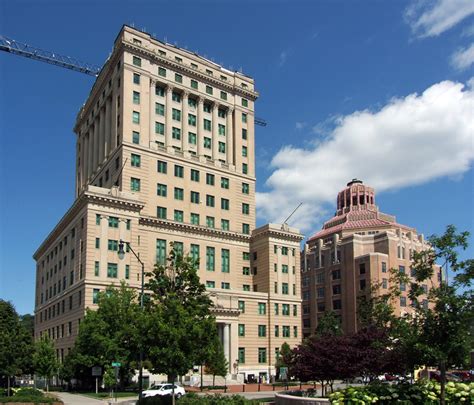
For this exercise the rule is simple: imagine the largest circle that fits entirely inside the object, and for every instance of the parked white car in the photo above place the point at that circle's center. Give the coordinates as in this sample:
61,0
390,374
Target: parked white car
164,389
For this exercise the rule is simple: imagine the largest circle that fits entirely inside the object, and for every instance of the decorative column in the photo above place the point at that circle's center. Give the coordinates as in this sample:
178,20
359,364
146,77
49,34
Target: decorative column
184,126
215,133
169,116
151,118
200,126
95,151
107,127
113,123
229,128
226,342
90,152
102,136
83,160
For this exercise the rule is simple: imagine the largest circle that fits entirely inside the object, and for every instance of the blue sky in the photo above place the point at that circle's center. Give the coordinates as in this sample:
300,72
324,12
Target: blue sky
380,90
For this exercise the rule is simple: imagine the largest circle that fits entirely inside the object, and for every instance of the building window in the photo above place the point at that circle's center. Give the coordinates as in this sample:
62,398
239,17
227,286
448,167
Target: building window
221,147
134,184
210,256
136,117
336,304
136,97
159,128
245,287
262,355
112,270
161,71
245,102
207,143
225,224
244,117
176,114
241,355
246,271
224,204
221,129
178,171
210,200
194,219
223,95
97,246
225,286
192,120
192,102
162,167
161,190
224,182
262,330
176,133
244,151
209,90
160,109
161,212
245,188
320,292
242,307
207,125
284,288
194,175
336,274
194,84
225,260
362,284
336,289
136,137
362,268
241,329
210,284
284,268
192,138
112,245
210,222
244,133
245,168
195,197
137,61
178,78
246,229
178,216
136,78
403,301
176,97
95,295
161,251
195,252
127,271
96,269
135,160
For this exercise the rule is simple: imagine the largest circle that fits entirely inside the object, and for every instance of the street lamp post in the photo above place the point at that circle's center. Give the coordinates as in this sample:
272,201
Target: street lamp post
121,255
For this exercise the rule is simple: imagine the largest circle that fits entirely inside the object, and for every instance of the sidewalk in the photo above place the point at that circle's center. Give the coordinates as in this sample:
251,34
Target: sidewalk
77,399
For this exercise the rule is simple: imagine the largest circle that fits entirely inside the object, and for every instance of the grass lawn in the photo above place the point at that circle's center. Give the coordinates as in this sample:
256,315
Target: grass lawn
105,395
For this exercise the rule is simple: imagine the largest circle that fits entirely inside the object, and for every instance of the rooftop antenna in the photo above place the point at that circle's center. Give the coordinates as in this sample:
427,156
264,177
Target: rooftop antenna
284,226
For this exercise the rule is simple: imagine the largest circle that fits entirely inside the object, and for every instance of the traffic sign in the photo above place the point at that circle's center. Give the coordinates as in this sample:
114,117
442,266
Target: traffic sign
116,364
96,371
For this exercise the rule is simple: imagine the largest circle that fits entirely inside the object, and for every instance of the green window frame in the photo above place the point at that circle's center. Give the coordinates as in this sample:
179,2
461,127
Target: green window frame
225,285
244,133
192,138
96,269
285,309
242,306
207,125
136,97
262,330
95,295
284,288
135,137
244,117
162,167
159,128
284,251
210,179
245,188
225,182
295,331
113,222
246,271
112,245
207,142
277,331
246,287
97,219
136,117
241,329
176,97
221,147
135,160
225,204
161,190
194,218
245,168
221,130
276,308
244,151
209,90
225,224
192,120
195,252
112,270
210,284
194,175
159,109
246,255
246,229
178,171
137,61
134,184
176,114
210,222
127,271
262,308
161,71
210,200
176,133
241,355
245,102
178,248
223,95
284,268
210,258
225,260
192,102
195,197
136,78
194,84
286,331
178,78
221,113
178,193
245,208
161,251
159,91
295,310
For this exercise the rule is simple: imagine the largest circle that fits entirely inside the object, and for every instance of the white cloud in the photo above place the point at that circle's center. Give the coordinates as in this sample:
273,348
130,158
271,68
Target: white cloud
463,58
409,141
300,125
468,31
432,18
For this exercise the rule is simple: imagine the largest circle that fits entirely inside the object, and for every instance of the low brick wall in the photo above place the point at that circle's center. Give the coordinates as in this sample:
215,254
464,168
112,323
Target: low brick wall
285,399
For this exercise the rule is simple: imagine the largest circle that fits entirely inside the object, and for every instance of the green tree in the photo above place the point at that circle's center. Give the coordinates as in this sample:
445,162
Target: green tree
329,324
16,343
216,363
284,357
178,315
44,359
110,334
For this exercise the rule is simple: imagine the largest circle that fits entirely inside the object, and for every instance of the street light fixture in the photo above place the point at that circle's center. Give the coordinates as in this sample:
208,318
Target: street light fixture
121,255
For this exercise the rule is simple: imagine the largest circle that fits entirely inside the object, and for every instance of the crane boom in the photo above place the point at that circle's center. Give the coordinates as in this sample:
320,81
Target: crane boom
18,48
28,51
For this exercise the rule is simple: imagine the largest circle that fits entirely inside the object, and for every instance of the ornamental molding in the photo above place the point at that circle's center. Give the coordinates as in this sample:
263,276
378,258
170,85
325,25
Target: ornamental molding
274,233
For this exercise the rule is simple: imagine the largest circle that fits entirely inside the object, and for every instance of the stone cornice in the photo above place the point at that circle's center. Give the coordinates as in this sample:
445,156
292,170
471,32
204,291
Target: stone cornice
294,237
225,311
179,67
87,197
193,229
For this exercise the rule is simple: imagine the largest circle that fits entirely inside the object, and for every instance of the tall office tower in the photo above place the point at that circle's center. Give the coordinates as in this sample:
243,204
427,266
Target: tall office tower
354,250
166,153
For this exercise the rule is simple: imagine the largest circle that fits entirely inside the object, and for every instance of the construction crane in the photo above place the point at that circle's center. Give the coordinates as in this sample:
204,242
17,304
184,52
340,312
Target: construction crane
18,48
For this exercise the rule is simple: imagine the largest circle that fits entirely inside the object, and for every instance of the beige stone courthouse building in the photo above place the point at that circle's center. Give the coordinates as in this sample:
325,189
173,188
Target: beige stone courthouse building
165,152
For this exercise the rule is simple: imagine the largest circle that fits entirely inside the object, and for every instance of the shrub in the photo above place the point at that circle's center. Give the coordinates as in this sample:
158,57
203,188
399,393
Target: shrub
29,399
26,391
156,400
193,399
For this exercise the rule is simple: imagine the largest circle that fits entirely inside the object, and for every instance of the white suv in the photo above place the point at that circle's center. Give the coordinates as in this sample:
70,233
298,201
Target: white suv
163,389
